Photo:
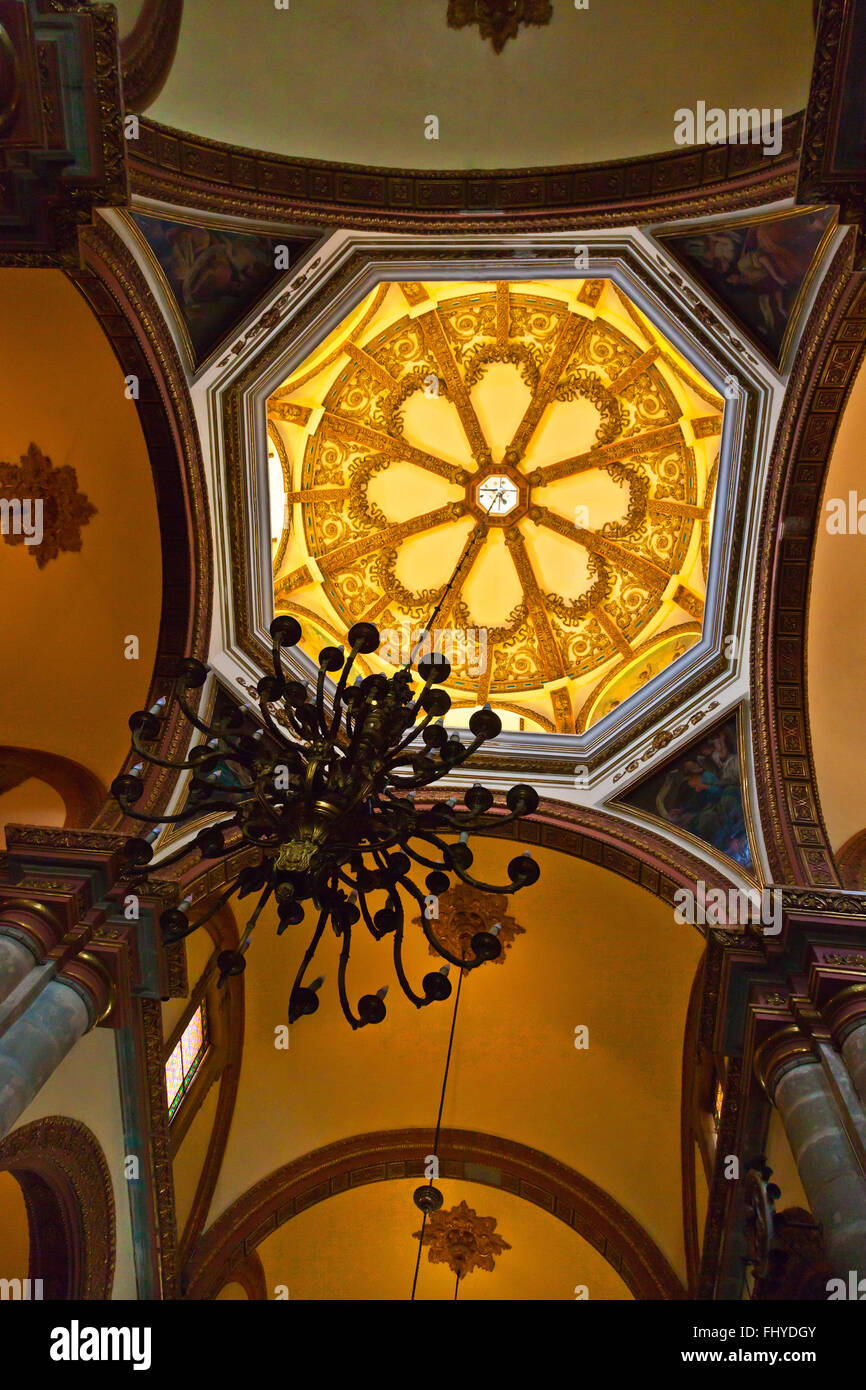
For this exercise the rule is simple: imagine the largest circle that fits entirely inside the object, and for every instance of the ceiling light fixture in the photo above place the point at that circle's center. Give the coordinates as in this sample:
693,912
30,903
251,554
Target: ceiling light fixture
328,798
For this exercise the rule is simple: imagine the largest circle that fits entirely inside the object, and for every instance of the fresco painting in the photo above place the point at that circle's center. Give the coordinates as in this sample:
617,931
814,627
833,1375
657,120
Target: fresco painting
216,276
756,269
699,791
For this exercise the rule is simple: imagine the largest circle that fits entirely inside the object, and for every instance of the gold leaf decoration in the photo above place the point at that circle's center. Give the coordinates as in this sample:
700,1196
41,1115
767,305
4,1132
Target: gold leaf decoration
64,509
462,1239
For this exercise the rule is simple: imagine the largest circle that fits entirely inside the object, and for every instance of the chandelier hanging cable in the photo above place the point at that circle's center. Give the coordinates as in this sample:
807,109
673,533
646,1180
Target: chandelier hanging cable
328,800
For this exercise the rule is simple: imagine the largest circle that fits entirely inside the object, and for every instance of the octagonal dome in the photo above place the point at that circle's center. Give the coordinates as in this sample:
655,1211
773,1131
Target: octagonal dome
532,458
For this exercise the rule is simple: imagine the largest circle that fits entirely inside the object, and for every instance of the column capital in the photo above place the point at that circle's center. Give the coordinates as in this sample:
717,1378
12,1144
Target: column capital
32,922
64,896
88,976
846,1010
787,1047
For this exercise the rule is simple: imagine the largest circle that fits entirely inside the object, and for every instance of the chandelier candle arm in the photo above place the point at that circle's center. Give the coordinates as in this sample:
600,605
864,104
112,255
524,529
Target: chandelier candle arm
325,807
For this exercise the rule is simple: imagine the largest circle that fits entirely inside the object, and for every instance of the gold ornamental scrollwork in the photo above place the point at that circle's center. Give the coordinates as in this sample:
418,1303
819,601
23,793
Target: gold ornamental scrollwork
564,358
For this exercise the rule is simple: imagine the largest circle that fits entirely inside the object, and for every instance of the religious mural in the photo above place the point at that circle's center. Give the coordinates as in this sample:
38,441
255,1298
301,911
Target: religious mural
216,276
757,269
699,791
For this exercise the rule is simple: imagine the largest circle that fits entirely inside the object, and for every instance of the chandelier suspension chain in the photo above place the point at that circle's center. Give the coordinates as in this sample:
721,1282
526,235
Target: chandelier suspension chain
423,1196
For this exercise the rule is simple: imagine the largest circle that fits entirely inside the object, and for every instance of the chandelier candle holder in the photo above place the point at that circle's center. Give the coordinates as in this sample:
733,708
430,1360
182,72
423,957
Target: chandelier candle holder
327,797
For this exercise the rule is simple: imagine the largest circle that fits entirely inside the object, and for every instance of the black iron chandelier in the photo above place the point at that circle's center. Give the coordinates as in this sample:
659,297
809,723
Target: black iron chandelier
325,791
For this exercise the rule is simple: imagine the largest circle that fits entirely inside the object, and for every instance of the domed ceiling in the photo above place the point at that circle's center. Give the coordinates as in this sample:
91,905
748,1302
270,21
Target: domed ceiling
540,440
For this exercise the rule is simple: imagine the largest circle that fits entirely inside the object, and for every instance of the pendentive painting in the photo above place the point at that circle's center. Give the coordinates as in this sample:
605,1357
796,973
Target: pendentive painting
215,275
699,791
757,269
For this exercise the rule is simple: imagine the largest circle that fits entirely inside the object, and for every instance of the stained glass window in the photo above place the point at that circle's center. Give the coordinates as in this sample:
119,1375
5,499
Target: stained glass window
185,1060
717,1104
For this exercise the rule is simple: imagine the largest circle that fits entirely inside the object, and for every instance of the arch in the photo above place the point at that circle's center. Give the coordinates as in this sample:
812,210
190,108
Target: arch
147,53
81,790
634,852
464,1155
62,1172
831,349
851,859
250,1274
117,292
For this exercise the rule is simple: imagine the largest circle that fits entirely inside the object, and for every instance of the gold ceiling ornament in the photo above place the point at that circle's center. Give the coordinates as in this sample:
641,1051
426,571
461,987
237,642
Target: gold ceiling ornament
461,1239
464,911
63,510
498,20
595,542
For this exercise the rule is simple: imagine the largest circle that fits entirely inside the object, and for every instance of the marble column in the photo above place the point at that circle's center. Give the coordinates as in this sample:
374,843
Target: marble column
829,1169
16,961
854,1054
36,1045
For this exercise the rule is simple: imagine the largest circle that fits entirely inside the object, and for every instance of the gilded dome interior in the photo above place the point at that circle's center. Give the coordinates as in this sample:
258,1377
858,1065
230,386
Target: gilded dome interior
542,442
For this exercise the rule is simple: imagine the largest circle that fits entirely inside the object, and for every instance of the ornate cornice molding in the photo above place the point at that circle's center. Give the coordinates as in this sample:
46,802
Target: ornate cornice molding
177,167
66,130
147,53
465,1155
832,347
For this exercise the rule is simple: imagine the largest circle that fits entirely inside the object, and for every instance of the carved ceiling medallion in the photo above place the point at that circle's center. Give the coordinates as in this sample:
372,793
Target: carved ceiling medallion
544,432
52,510
464,911
462,1239
498,20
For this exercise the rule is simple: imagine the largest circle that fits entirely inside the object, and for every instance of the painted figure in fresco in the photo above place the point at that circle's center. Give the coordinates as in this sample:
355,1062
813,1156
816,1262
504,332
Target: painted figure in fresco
207,266
760,269
215,276
702,795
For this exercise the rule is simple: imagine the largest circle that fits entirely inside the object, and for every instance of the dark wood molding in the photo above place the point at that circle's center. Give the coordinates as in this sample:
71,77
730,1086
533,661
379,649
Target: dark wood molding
227,1006
823,178
81,790
147,53
851,862
118,294
63,1174
250,1274
465,1155
152,1124
691,1234
831,350
63,149
186,170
